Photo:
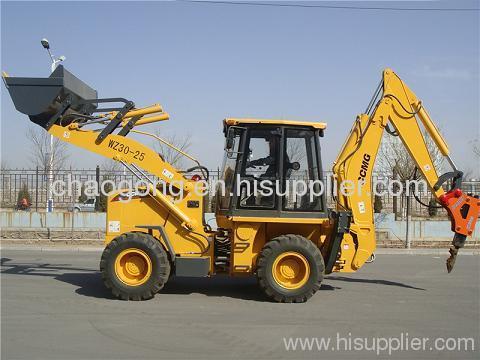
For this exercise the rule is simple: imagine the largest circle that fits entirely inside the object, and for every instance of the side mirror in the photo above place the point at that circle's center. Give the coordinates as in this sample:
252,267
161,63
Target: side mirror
230,139
233,134
229,143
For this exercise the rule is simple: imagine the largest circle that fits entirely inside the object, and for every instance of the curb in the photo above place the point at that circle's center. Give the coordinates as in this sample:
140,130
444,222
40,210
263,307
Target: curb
423,251
64,248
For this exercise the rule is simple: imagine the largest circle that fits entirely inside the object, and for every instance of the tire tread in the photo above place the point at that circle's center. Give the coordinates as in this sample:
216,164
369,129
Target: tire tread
151,287
285,243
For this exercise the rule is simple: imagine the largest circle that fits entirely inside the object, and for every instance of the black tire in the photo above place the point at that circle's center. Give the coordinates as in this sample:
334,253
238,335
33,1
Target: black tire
266,260
157,255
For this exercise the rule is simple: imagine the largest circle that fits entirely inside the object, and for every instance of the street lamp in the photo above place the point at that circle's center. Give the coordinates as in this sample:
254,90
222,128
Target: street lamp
55,61
53,66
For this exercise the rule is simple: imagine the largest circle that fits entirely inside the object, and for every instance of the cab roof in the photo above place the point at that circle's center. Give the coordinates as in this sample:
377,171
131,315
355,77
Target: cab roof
240,121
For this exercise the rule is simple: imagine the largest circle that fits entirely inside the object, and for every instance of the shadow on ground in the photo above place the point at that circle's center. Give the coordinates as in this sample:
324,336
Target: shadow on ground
88,282
220,285
372,281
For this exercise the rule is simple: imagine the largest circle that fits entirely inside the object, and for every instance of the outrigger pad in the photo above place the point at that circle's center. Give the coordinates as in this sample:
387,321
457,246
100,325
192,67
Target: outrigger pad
41,98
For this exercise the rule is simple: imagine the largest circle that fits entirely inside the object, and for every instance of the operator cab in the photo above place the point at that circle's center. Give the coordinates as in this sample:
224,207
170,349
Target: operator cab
271,168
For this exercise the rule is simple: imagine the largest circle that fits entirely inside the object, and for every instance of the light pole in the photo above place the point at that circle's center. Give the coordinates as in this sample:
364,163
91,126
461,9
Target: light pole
55,61
53,66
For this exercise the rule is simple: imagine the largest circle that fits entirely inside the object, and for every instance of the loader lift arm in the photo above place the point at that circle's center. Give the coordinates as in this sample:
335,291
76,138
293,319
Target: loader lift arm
68,109
394,103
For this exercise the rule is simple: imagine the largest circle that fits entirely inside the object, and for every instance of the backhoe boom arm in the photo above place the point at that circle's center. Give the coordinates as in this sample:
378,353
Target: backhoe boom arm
397,105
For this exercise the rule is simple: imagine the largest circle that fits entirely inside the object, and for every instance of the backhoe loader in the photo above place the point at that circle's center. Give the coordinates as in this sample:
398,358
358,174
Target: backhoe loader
288,242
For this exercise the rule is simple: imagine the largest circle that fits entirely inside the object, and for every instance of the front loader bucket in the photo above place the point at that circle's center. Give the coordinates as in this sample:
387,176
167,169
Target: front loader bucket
42,98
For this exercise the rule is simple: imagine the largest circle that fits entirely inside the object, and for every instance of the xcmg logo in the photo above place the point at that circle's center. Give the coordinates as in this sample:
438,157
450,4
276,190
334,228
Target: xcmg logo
364,167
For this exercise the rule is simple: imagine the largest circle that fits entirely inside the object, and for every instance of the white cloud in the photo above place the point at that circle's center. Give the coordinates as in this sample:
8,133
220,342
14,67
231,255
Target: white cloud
445,73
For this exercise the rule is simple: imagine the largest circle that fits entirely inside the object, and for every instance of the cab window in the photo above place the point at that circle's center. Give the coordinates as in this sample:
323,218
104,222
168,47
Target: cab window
260,169
301,171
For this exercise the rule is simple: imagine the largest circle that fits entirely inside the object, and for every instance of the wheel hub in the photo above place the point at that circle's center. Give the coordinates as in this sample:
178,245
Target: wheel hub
291,270
133,267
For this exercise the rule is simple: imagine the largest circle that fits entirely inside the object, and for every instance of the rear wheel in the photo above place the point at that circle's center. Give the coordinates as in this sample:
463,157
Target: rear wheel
290,269
135,266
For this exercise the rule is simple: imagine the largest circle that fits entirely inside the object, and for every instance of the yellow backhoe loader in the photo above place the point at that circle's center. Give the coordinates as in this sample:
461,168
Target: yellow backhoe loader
288,241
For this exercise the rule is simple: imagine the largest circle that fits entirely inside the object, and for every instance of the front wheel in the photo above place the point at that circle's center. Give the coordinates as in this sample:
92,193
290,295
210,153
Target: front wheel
290,269
135,266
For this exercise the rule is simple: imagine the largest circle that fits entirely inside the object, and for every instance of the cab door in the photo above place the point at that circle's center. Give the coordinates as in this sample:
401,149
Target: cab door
259,170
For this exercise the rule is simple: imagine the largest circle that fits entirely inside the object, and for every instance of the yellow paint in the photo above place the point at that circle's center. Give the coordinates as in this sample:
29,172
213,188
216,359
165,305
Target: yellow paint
146,210
125,149
153,109
152,119
239,121
251,234
281,220
398,106
432,129
144,111
247,244
291,270
133,267
180,151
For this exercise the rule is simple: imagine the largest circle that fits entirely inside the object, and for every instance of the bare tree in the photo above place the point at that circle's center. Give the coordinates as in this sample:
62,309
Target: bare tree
476,152
476,148
40,150
395,162
169,154
474,170
110,167
468,174
296,149
394,158
4,165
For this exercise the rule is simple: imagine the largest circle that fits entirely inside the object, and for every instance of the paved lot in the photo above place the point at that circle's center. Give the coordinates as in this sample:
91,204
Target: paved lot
54,306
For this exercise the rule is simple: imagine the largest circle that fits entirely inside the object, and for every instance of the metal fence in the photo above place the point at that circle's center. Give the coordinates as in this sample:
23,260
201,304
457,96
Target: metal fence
35,181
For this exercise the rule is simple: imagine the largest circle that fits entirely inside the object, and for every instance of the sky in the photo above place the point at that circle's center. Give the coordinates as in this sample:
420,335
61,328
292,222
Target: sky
205,62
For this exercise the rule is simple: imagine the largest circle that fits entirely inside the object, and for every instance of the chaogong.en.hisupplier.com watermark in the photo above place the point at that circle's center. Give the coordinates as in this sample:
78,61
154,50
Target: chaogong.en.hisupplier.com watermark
242,187
380,345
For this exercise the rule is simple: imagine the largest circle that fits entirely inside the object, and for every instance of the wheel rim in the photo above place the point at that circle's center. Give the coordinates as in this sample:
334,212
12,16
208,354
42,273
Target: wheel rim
291,270
133,267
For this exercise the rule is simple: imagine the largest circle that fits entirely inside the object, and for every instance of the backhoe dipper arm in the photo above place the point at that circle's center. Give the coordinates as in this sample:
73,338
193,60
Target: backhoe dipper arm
399,106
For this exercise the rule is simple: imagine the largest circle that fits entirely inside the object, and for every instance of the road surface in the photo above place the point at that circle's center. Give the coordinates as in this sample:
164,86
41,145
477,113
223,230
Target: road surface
54,306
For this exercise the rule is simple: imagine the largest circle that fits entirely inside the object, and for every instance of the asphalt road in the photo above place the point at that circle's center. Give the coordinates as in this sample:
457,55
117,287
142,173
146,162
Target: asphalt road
54,306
